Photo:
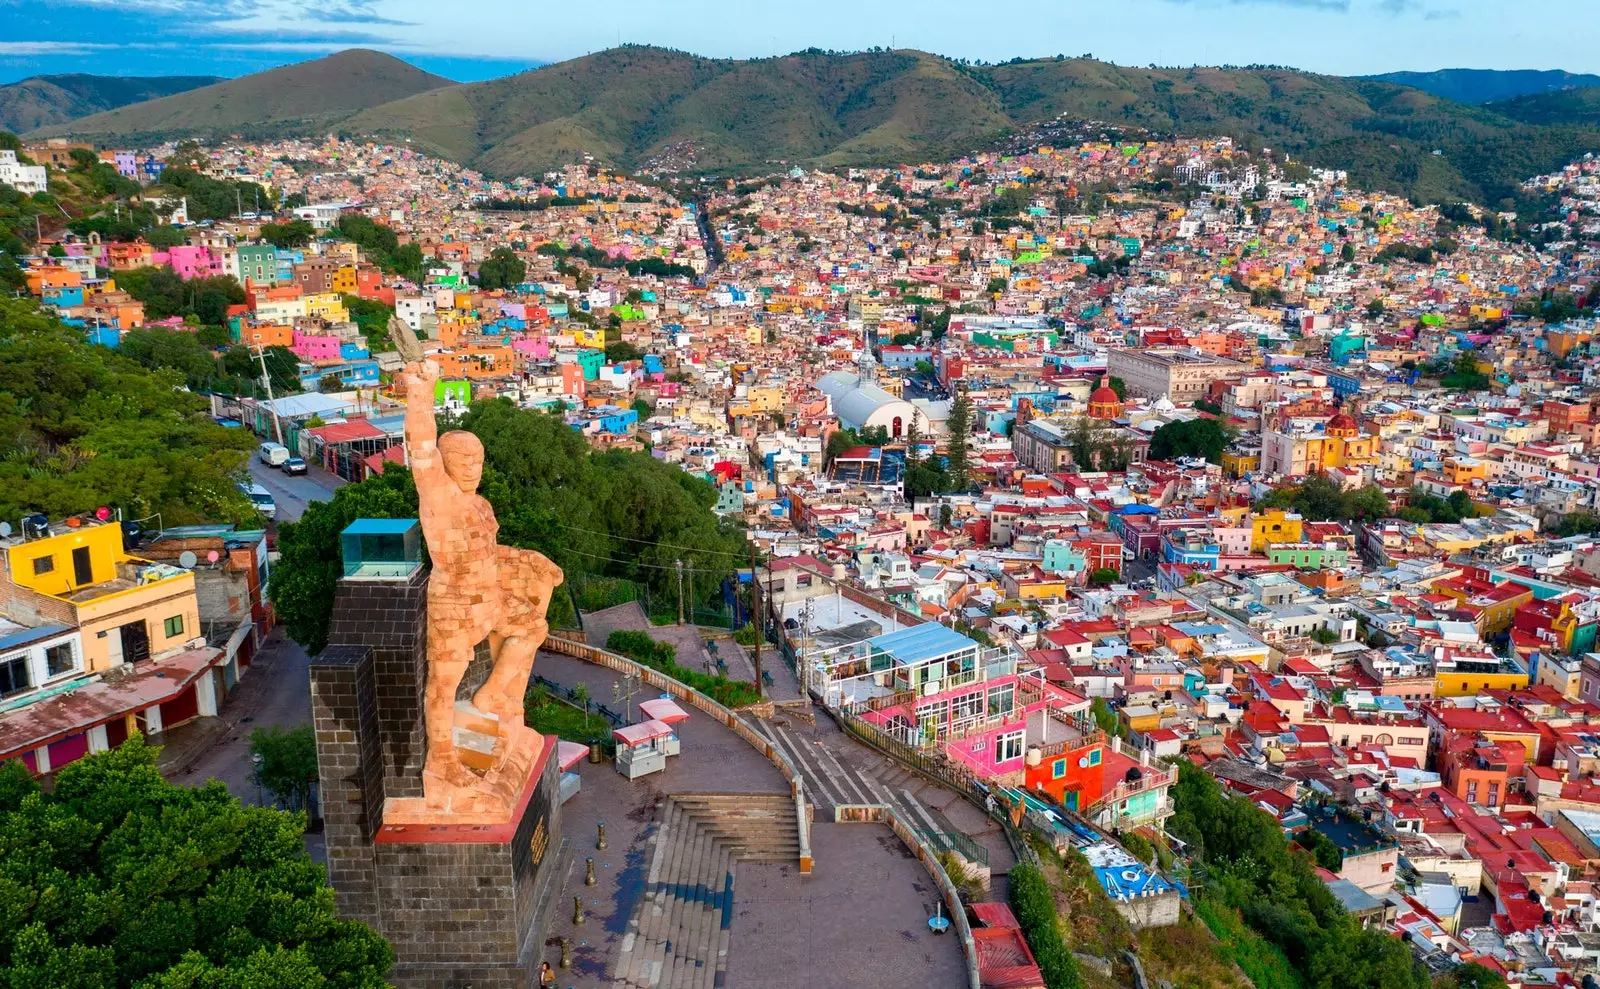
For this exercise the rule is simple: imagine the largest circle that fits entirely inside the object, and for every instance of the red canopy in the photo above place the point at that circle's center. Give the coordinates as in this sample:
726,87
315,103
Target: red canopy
569,754
664,709
649,731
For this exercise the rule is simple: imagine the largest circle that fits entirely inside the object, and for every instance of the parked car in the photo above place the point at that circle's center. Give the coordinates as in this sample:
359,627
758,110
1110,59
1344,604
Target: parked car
273,454
294,465
262,499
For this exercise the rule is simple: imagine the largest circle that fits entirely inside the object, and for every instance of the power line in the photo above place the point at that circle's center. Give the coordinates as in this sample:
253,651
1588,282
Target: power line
650,542
647,566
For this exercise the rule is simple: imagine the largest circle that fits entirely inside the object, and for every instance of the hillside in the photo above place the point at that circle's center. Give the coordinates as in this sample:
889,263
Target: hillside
625,105
1567,106
304,96
1488,85
41,101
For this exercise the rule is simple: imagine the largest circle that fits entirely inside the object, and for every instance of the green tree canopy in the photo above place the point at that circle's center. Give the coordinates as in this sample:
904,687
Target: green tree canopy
83,426
501,269
614,514
118,878
1320,500
1204,438
295,233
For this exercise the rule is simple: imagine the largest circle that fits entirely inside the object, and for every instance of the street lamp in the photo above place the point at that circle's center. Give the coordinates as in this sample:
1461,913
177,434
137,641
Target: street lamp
256,761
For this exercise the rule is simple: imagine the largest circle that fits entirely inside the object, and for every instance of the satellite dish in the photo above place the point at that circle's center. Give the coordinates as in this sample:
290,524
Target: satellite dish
5,529
213,556
187,560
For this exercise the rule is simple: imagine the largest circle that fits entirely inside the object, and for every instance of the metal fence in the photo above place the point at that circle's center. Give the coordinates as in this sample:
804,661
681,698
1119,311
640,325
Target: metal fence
569,696
956,843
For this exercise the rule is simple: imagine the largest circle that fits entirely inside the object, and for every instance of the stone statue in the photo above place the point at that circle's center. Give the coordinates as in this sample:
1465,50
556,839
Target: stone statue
479,753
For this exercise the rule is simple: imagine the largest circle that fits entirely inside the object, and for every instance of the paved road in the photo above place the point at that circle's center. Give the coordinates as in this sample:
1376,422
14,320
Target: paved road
292,493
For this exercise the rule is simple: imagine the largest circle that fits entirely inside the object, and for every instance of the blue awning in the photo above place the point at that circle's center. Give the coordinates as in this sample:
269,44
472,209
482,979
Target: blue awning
921,642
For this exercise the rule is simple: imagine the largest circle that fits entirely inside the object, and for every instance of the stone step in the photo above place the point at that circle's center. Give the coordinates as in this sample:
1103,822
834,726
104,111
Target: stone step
676,938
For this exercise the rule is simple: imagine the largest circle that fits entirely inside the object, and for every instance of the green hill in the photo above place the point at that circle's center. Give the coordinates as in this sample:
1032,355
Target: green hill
1567,106
1488,85
299,97
624,105
627,105
41,101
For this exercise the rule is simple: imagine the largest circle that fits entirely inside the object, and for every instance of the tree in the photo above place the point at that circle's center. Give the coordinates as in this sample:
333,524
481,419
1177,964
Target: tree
501,269
622,351
580,696
83,426
1119,386
117,877
616,514
302,584
1470,976
1204,438
959,423
295,233
288,763
1104,577
642,409
372,319
1347,253
329,383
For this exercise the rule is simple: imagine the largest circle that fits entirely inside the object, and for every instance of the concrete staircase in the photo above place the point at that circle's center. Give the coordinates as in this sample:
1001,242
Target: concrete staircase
678,935
759,827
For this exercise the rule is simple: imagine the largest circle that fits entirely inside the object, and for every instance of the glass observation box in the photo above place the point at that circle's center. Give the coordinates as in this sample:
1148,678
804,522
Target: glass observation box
381,549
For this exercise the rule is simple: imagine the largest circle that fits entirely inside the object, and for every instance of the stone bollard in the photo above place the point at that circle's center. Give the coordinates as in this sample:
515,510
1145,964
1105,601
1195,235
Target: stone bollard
577,909
589,879
600,842
566,952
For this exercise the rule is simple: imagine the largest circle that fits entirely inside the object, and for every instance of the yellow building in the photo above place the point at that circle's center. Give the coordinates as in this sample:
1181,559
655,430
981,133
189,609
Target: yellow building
126,608
327,305
1276,526
344,280
1459,683
1238,463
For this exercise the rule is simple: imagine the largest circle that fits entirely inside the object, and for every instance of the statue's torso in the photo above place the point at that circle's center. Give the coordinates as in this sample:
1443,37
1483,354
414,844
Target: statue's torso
461,533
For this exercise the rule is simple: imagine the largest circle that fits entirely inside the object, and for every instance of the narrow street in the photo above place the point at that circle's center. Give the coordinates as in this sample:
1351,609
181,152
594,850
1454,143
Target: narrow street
293,493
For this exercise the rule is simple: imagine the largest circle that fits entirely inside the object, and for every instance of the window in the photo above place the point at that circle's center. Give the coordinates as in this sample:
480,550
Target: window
967,707
1059,769
1494,794
1472,792
59,659
43,565
1002,699
173,626
1008,746
14,677
1094,757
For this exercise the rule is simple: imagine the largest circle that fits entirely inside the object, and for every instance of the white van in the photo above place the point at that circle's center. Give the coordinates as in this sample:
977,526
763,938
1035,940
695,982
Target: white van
262,499
274,454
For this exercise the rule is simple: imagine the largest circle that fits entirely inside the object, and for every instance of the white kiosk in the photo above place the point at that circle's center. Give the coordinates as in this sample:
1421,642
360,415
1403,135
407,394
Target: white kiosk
643,748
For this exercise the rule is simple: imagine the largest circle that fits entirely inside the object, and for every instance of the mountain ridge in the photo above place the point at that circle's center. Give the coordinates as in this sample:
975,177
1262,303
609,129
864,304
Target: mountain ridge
304,95
1489,85
44,100
626,106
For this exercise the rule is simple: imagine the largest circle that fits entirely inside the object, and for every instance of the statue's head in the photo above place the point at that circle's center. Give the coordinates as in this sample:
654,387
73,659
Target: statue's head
462,453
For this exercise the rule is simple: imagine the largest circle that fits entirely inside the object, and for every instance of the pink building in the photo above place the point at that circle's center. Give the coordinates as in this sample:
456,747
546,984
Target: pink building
314,347
537,348
190,261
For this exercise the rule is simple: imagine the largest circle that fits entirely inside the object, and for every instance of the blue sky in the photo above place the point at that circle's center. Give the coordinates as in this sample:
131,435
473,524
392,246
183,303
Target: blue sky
478,39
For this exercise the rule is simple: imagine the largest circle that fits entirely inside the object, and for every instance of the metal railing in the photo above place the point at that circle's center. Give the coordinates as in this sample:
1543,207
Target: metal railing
955,843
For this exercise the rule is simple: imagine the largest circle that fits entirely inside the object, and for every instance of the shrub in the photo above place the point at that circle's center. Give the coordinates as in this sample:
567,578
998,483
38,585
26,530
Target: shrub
663,658
1035,907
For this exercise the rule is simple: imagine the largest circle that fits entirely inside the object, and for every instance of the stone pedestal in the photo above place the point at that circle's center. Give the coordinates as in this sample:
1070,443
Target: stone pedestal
465,907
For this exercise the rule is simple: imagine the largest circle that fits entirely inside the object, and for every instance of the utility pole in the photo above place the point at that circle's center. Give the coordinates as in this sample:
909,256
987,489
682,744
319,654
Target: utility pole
679,565
755,611
277,426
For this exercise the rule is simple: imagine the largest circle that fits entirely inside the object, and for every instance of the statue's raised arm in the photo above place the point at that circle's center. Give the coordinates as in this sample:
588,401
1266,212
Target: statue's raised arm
422,432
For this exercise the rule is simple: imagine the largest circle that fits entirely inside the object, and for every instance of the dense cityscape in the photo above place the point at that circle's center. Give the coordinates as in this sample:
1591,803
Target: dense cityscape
1101,557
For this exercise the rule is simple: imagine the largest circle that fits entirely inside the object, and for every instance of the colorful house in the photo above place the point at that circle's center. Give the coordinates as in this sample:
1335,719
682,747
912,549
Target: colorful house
1093,777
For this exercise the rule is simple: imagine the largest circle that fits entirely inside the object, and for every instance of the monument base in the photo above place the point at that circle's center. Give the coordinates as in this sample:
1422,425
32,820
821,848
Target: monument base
468,905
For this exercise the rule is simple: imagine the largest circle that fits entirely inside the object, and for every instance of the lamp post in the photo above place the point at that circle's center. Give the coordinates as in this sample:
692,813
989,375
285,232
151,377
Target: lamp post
256,761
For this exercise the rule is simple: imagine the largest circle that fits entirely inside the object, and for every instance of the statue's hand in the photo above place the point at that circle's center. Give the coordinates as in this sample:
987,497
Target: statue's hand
421,375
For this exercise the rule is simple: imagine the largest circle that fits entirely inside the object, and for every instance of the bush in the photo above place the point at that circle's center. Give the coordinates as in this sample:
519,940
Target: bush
1035,907
663,658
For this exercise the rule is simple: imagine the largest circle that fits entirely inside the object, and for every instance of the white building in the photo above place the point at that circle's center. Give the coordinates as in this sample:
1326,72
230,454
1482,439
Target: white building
24,178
